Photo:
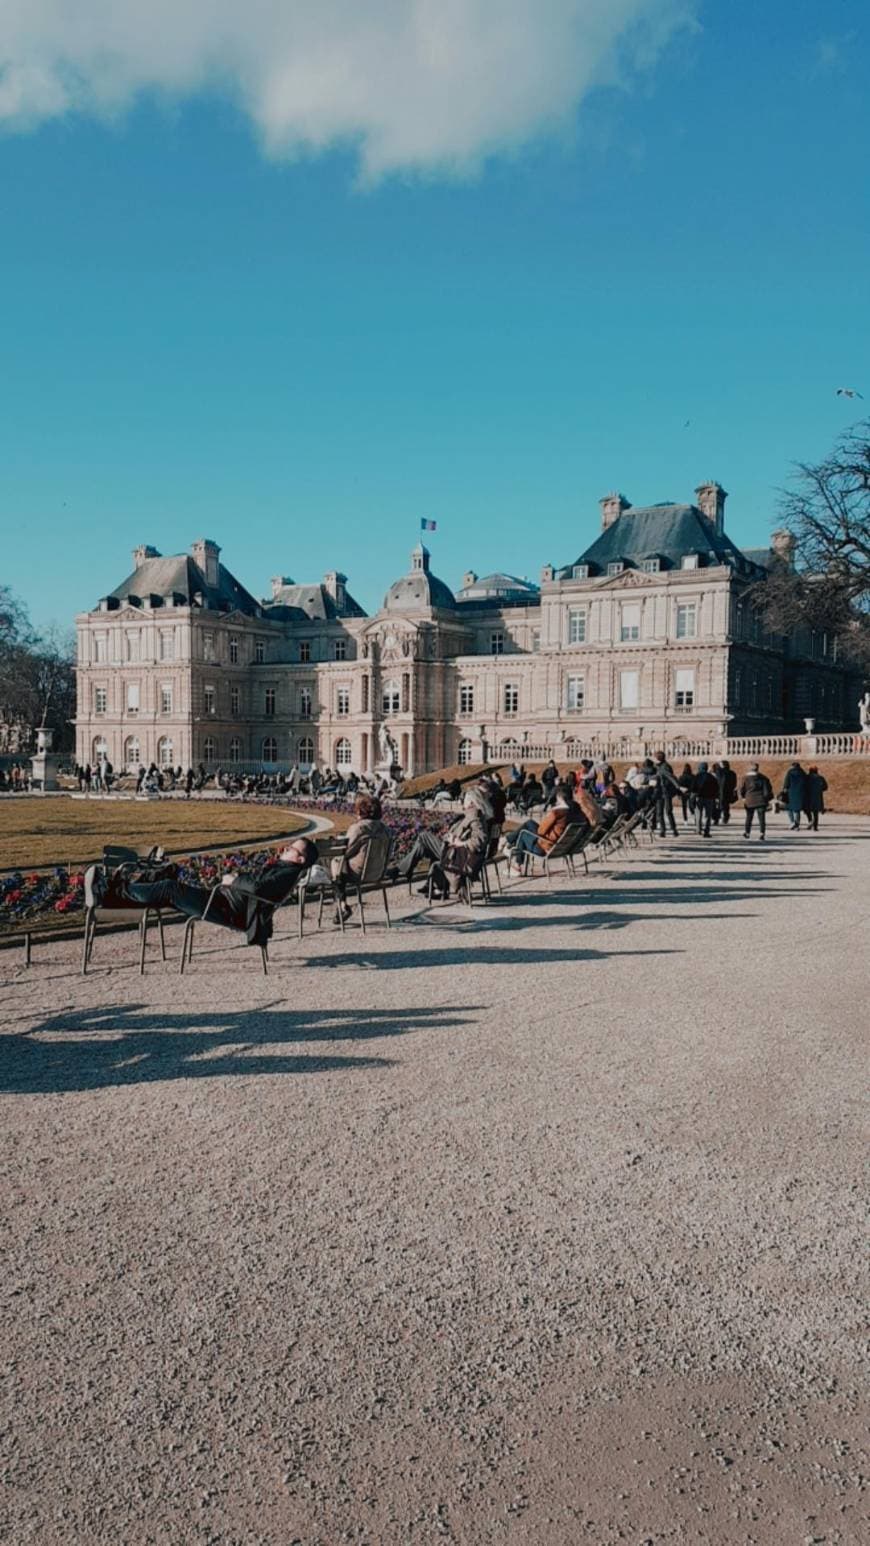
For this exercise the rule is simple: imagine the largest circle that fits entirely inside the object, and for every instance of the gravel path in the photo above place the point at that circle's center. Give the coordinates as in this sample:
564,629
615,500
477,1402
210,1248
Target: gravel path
539,1224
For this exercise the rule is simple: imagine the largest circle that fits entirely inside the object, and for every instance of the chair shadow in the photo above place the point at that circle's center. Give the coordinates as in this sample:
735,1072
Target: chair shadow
92,1049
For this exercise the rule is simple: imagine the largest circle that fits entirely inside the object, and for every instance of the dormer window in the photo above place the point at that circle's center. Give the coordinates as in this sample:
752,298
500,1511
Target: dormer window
616,567
580,572
690,560
651,565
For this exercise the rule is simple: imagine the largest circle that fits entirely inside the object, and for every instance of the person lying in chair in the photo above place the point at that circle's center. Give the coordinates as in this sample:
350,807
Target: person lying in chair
539,837
460,848
242,902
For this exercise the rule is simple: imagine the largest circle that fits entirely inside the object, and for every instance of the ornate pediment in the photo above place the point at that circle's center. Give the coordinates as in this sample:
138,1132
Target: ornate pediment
630,579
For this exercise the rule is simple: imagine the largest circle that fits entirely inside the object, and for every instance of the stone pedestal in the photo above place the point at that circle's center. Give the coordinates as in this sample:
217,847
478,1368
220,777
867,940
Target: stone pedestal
43,767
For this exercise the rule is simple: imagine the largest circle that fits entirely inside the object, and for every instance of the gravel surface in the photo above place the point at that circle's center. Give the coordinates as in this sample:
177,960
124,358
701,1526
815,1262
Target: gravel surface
538,1224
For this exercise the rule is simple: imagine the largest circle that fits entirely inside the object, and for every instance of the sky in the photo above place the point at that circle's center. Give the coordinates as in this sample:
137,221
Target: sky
295,277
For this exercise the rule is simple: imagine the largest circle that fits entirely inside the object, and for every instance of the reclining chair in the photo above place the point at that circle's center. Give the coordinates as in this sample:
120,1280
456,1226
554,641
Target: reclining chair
119,908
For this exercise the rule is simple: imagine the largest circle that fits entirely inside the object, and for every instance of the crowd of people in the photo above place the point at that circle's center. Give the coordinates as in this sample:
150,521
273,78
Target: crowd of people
16,779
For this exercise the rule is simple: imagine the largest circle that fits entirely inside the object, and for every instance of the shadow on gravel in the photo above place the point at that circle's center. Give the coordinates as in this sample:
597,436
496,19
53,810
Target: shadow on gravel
92,1049
393,960
680,896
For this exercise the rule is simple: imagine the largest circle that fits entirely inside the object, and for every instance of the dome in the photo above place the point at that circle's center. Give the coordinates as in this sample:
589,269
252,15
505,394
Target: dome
497,587
418,588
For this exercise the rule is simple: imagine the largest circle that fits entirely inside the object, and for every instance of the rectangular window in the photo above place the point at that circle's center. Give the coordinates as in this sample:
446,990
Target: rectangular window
100,648
687,620
511,698
651,565
536,641
305,703
132,642
342,700
304,652
577,625
259,651
132,697
235,700
101,700
270,702
496,642
208,700
365,694
576,692
630,623
629,693
616,567
690,560
167,644
339,649
738,620
406,692
738,686
684,689
166,699
234,650
466,698
208,646
580,572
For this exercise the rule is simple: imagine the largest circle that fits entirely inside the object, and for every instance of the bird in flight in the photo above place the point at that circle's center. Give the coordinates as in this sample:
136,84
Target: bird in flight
849,392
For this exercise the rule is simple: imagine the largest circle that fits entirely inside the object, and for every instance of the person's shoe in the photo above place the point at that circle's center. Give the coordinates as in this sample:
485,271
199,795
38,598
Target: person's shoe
342,913
762,838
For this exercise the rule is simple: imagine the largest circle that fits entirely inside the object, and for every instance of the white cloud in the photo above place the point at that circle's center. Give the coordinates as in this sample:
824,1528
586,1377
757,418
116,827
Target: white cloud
433,85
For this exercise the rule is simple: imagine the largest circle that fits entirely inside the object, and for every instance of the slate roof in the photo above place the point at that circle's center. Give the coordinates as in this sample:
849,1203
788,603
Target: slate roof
179,577
296,603
419,588
500,588
667,531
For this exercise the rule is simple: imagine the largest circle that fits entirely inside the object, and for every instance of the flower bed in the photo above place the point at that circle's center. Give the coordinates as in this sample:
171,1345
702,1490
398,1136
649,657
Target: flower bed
54,894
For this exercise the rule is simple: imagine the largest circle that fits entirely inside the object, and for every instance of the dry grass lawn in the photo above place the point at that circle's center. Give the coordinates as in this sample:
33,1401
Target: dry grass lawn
56,829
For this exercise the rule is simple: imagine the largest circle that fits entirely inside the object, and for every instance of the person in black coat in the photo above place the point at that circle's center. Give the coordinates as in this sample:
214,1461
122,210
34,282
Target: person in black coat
726,779
242,902
706,792
794,790
814,797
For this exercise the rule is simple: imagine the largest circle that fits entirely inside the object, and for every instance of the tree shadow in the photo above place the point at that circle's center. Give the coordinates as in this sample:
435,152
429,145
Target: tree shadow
92,1049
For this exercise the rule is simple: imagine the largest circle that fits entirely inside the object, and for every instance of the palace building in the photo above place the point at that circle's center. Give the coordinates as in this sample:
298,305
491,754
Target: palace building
650,634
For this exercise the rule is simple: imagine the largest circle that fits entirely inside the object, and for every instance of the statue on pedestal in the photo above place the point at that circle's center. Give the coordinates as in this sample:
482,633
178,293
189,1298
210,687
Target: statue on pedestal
386,747
864,715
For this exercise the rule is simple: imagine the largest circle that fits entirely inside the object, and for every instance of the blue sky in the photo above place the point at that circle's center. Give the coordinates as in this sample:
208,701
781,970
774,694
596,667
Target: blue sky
203,336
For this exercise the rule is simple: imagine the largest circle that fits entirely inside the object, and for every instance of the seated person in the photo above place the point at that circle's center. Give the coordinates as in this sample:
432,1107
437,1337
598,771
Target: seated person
539,837
237,903
532,793
469,832
494,791
351,863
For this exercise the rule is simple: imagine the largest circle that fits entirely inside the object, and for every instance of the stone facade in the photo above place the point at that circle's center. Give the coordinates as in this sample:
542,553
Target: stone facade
649,635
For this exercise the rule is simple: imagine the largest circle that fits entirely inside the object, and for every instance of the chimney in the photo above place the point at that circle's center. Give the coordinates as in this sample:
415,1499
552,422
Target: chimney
335,585
547,574
783,544
612,507
711,503
277,582
469,578
205,555
140,554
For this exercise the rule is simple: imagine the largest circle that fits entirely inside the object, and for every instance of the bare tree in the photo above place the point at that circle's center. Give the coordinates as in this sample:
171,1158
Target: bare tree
828,511
37,677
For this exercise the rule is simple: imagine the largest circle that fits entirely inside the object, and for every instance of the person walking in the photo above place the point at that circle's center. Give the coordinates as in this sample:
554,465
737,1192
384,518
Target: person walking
686,782
726,778
756,792
706,792
666,787
814,797
794,790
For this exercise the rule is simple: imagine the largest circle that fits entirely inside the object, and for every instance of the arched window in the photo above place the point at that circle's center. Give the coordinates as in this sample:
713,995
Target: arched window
306,751
235,749
209,749
392,698
165,756
465,750
343,754
100,748
132,755
270,749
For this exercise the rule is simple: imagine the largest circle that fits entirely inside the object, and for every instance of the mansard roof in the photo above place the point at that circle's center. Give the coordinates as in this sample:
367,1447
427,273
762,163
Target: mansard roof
295,603
178,580
667,531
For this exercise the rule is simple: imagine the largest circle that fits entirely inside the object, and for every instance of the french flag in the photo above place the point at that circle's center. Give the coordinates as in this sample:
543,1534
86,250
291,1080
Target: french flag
428,525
